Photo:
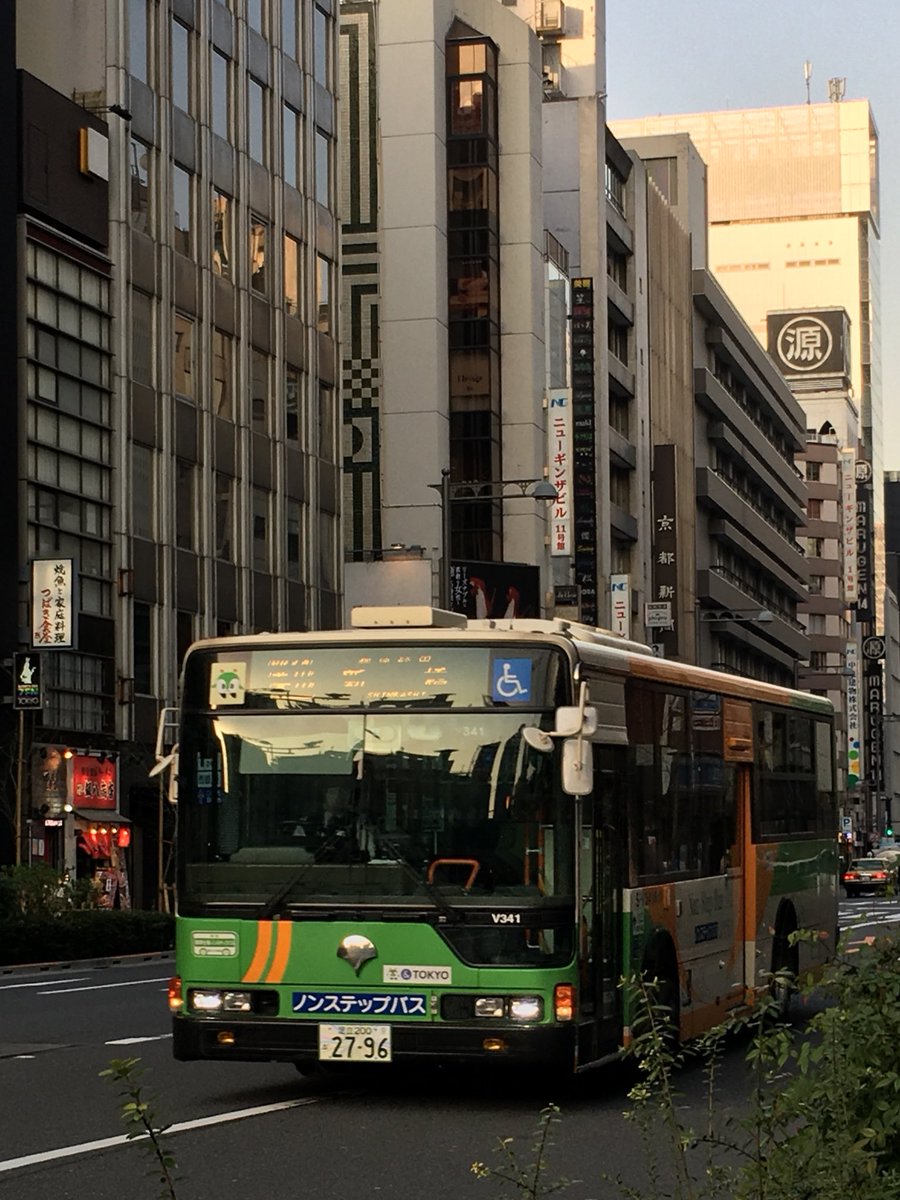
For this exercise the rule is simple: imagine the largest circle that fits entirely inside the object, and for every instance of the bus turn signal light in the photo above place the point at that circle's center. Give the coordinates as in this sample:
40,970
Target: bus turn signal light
176,999
564,1002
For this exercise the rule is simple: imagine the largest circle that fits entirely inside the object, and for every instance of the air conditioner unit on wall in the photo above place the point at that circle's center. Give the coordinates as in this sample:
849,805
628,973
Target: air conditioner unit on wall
551,17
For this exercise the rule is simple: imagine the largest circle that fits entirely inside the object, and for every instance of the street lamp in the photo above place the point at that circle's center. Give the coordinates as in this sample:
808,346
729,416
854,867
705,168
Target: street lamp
494,489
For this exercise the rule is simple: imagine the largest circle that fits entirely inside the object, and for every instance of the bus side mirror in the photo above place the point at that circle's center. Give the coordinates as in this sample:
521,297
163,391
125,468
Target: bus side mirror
576,719
577,767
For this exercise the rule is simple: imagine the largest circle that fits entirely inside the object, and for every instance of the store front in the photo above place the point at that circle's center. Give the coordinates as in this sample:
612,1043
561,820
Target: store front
76,826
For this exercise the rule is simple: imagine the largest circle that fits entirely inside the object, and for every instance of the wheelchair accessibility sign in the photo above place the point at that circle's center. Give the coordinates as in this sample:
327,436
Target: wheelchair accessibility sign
511,680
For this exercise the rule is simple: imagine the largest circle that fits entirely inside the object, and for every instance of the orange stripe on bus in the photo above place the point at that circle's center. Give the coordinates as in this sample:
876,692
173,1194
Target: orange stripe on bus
261,953
282,950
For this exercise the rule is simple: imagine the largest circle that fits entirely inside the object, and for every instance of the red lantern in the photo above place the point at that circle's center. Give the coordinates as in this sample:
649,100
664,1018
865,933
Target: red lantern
123,837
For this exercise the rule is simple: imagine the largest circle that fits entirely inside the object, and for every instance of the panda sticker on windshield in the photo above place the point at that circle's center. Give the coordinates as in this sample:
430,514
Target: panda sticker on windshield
226,683
511,680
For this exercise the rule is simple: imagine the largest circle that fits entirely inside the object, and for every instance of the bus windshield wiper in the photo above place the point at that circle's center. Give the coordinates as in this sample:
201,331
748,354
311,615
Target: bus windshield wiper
272,905
421,880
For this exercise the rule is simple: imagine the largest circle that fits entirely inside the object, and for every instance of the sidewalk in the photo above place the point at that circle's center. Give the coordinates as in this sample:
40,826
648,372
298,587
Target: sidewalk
84,964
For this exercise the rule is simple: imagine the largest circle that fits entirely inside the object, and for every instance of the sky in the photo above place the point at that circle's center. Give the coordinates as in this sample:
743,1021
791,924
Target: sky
678,56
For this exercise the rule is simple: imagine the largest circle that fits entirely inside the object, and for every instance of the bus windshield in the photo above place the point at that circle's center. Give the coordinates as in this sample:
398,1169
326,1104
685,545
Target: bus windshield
402,807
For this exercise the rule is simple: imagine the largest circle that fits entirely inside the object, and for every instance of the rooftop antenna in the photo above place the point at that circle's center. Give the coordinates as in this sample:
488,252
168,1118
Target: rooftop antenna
836,89
807,75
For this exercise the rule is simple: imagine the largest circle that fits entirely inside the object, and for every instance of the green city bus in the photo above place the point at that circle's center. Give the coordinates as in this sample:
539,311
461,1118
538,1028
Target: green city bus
427,839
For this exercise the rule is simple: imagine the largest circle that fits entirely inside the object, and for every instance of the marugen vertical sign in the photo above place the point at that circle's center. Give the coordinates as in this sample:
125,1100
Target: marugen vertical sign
559,430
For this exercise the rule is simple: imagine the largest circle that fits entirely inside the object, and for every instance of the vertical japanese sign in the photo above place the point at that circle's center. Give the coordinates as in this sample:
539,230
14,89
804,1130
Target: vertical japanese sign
584,489
848,523
665,542
52,602
865,612
559,431
854,766
620,603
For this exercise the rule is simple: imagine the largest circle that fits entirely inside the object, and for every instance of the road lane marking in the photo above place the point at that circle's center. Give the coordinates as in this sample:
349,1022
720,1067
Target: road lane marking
4,987
132,1041
240,1114
99,987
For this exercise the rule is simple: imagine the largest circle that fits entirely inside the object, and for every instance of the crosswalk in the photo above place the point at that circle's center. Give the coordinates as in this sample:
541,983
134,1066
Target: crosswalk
868,910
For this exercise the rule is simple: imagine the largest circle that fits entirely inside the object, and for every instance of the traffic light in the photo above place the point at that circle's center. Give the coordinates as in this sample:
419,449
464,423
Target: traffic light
889,831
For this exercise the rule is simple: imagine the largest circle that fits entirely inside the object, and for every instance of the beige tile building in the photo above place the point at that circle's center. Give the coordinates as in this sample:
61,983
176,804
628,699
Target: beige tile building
794,221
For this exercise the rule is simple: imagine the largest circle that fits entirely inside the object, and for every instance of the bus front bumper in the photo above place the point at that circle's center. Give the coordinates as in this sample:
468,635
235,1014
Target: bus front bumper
263,1040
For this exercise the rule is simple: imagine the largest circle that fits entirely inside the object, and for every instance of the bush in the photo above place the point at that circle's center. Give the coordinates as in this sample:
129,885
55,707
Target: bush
83,933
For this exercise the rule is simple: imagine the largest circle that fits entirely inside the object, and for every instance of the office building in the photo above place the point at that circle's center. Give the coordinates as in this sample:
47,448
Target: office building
173,236
444,262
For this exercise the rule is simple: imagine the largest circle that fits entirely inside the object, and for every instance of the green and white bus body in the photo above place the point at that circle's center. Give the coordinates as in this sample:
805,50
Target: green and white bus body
427,839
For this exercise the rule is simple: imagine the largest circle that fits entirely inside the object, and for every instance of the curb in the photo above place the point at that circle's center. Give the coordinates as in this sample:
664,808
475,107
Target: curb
83,964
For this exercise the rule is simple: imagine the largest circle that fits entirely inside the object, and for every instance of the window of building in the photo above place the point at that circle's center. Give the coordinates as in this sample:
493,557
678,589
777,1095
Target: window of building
259,232
816,585
138,40
620,557
615,188
261,555
259,391
617,336
142,641
814,509
181,66
222,234
292,395
322,35
323,294
183,358
140,195
289,27
815,547
617,267
224,517
813,471
619,487
290,127
182,202
222,373
291,275
294,540
184,633
323,169
143,491
142,340
467,108
327,577
256,15
620,415
256,120
185,501
221,95
326,431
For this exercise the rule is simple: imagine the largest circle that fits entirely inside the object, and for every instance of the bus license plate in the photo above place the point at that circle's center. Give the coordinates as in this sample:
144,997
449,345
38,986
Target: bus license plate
355,1043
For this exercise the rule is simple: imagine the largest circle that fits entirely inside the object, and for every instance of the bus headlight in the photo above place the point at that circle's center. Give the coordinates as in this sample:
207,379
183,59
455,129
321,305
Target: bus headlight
526,1008
237,1002
489,1006
205,1001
